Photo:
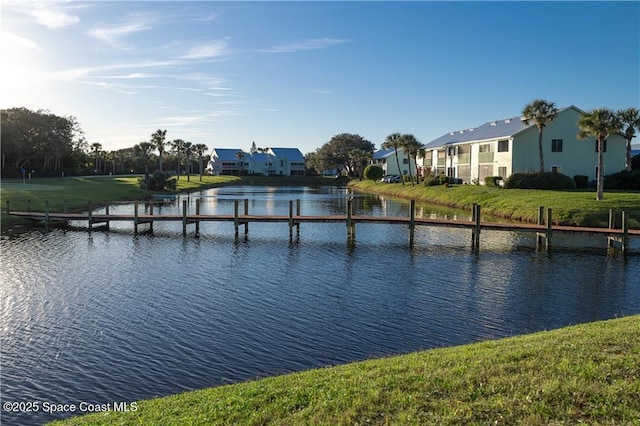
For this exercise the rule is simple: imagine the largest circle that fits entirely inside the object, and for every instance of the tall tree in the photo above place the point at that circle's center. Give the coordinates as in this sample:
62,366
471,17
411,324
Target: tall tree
143,150
39,139
541,113
335,153
200,149
96,148
177,146
630,120
358,160
599,123
240,158
394,141
158,140
411,146
188,152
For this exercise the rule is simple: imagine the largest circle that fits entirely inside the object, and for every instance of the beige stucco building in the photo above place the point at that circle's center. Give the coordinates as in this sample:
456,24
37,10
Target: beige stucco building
504,147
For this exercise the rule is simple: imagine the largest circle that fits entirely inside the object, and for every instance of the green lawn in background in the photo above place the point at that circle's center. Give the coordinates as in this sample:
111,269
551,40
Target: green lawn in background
569,207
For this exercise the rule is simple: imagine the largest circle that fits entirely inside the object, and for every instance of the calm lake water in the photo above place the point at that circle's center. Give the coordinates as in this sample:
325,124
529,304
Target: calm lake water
112,317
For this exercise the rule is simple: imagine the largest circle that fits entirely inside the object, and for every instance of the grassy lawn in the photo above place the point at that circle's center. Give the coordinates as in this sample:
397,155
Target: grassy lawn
100,190
569,207
581,374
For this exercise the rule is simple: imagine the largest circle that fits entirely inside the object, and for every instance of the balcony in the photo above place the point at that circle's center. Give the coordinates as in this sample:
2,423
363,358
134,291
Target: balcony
464,158
485,157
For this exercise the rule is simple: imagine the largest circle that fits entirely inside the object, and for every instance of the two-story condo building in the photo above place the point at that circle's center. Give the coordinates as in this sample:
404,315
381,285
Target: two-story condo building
275,161
386,158
504,147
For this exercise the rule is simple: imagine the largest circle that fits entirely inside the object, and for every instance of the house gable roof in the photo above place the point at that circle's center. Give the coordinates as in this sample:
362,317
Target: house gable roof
226,154
384,153
291,154
261,157
504,128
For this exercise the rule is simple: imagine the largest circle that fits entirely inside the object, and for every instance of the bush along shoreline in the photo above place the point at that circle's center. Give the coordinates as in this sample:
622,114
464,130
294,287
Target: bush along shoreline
576,207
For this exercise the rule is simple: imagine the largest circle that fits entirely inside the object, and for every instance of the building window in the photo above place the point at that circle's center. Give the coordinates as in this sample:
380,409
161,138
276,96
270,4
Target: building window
405,161
604,145
556,145
502,172
555,169
485,148
503,146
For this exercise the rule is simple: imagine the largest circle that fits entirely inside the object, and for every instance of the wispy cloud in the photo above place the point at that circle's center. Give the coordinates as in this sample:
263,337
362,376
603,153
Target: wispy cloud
196,118
9,41
212,49
51,14
323,91
112,34
208,18
80,73
302,45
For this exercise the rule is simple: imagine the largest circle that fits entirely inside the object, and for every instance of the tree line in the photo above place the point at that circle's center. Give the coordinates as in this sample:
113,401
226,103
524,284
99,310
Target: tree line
44,144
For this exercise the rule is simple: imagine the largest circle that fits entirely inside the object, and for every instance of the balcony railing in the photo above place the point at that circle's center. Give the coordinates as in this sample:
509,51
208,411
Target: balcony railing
464,158
485,157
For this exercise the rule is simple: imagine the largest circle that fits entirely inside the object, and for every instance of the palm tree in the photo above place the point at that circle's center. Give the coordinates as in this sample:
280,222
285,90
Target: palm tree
600,123
394,141
143,150
177,146
411,146
200,149
96,148
539,112
420,153
630,119
240,157
188,152
158,141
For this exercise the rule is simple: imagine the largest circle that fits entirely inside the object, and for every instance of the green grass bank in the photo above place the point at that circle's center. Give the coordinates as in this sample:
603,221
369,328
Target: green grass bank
587,373
100,190
569,207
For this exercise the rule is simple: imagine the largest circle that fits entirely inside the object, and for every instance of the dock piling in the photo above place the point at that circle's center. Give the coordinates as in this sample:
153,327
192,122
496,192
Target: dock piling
235,217
549,228
290,220
135,217
151,214
90,215
351,228
198,216
298,214
475,232
412,222
625,231
7,204
246,213
184,217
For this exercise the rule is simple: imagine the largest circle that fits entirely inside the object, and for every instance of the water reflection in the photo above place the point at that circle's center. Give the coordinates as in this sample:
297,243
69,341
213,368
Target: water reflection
104,316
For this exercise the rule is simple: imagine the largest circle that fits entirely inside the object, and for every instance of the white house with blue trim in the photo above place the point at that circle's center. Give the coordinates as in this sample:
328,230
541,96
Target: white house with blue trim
507,146
275,161
386,158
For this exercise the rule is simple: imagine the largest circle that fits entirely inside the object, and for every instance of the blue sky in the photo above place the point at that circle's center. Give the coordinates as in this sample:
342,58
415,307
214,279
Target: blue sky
293,74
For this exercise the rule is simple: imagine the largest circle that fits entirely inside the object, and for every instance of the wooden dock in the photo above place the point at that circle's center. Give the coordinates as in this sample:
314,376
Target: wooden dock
544,229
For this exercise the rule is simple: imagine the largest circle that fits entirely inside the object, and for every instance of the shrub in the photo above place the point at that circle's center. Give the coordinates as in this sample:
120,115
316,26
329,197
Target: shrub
623,180
492,180
373,172
581,181
159,182
546,180
431,180
443,179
